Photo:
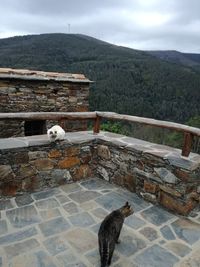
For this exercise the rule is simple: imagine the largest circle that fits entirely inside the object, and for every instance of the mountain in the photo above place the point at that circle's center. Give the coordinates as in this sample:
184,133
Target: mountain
187,59
126,80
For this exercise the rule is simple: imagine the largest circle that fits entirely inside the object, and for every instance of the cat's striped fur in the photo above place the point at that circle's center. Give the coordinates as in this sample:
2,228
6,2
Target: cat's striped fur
109,232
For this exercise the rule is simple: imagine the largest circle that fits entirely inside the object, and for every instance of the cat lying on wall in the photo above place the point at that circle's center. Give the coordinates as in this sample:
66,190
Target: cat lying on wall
55,133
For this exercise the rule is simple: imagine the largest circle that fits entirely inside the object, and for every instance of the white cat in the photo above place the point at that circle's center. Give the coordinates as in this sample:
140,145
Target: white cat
56,133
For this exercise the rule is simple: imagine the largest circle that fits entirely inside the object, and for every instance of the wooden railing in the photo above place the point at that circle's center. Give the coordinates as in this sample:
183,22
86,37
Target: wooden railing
189,132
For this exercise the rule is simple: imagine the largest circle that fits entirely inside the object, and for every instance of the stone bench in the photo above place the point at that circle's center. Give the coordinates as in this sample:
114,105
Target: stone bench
157,173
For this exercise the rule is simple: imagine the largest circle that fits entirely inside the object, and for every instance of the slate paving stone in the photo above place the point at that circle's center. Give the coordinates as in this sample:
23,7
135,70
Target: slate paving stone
6,204
94,258
95,228
76,264
178,248
99,213
54,226
76,237
18,236
21,247
3,227
187,230
63,199
37,259
155,256
67,258
137,202
49,214
89,205
130,244
46,194
134,222
167,233
192,261
111,201
46,204
69,188
150,233
23,200
71,208
83,219
96,184
156,215
83,196
23,216
55,245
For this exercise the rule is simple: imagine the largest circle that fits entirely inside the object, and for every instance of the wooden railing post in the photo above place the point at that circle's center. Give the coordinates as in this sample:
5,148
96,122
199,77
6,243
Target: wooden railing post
96,127
187,144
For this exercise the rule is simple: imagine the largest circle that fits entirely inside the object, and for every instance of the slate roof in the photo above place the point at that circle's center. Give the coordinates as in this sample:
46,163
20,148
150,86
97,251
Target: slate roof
25,74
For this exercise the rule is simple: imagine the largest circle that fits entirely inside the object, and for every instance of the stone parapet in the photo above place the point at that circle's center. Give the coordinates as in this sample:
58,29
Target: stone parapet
157,173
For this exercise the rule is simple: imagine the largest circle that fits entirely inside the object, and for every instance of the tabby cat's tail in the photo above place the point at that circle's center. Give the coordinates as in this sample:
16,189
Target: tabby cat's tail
104,253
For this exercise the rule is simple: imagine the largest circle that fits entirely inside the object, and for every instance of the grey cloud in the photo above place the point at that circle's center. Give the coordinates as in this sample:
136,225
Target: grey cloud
121,22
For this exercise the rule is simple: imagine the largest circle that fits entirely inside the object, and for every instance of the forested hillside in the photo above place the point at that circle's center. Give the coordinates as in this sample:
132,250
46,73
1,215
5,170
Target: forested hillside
125,80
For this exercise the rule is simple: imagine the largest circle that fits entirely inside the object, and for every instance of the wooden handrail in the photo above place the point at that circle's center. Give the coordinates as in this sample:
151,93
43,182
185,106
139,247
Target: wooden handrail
189,132
151,122
48,116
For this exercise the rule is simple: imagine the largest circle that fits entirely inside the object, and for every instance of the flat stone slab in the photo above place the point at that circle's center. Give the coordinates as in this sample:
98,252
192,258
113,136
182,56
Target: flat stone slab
96,184
84,196
134,222
5,204
187,230
156,215
37,259
55,245
46,193
22,247
83,219
178,248
150,233
18,236
76,236
130,244
23,200
49,203
54,226
3,227
23,216
156,256
167,233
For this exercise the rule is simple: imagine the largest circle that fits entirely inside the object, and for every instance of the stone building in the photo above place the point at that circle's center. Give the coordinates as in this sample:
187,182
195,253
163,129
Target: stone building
38,91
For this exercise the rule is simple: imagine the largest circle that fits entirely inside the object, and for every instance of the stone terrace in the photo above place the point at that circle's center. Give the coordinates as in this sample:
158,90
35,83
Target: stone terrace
58,227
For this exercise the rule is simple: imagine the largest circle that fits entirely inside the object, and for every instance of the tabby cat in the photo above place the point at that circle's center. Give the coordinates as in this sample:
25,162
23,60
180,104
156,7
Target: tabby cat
109,232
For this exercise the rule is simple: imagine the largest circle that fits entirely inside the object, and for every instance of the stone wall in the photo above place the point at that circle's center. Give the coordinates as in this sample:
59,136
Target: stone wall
173,182
155,172
41,96
39,167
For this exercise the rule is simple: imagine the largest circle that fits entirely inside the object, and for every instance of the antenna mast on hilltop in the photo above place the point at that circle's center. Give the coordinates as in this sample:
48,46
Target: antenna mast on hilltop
69,28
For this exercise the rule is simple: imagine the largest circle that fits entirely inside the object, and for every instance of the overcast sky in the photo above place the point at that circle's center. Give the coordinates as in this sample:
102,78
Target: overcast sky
139,24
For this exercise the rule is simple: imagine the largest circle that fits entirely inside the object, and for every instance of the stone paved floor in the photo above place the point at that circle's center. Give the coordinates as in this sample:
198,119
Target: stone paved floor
58,227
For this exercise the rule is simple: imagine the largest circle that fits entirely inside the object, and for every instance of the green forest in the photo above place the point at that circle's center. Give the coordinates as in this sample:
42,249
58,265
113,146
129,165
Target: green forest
126,81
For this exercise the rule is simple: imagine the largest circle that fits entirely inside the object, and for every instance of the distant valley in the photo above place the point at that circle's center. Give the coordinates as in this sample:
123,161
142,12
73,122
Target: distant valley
163,85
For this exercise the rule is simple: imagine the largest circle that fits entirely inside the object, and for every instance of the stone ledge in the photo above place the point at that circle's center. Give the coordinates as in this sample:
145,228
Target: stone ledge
157,173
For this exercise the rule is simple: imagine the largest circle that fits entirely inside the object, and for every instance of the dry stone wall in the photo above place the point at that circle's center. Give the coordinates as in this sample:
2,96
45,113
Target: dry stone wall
39,167
157,173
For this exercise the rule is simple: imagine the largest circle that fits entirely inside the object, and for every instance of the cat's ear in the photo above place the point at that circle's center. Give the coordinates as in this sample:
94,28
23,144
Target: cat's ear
127,204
